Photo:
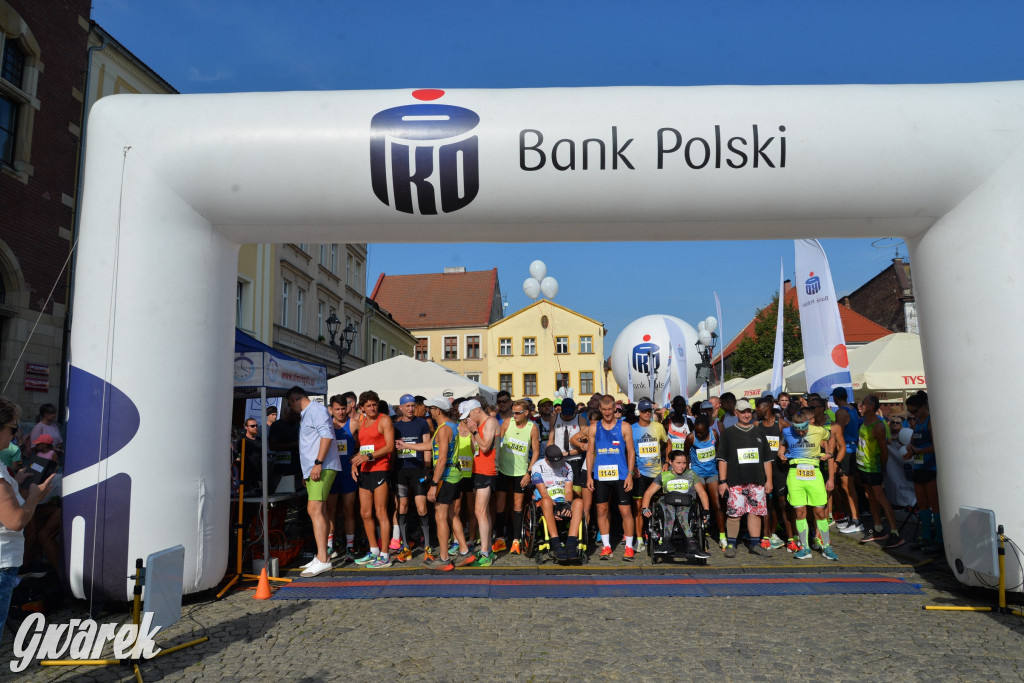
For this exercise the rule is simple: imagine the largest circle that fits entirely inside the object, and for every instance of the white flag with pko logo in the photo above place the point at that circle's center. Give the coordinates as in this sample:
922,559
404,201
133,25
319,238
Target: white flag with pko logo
826,363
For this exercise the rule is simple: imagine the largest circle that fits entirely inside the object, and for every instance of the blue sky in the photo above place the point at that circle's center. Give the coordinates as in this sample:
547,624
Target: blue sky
206,46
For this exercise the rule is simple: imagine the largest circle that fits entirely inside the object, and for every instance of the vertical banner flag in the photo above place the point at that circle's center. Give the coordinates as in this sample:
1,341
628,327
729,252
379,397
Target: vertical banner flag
776,388
825,359
721,336
677,360
629,381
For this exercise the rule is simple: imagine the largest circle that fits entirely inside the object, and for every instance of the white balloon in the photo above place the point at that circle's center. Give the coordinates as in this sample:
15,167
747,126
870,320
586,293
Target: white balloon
549,286
905,434
902,451
531,288
711,324
701,326
538,270
704,337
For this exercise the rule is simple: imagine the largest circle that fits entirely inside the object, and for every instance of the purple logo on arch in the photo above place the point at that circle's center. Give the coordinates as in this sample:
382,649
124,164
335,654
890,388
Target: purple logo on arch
101,420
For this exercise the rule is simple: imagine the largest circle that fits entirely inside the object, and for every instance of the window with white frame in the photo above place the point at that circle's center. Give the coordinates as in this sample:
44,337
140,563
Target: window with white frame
505,346
285,291
561,345
300,317
334,259
320,308
586,344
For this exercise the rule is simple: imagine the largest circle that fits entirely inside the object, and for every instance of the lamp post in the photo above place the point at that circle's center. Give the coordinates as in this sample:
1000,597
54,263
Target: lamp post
345,345
706,340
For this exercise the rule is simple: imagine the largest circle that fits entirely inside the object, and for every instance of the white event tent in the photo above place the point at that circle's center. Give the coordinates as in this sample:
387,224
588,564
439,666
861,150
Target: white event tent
400,375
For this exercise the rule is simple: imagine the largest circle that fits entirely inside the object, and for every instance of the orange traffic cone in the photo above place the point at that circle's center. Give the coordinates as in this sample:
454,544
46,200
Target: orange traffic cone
263,587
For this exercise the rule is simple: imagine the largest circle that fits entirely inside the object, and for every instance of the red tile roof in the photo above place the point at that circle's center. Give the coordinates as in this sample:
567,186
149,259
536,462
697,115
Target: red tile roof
433,300
856,328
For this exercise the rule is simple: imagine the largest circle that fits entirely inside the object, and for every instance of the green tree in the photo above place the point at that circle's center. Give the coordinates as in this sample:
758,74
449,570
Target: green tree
755,354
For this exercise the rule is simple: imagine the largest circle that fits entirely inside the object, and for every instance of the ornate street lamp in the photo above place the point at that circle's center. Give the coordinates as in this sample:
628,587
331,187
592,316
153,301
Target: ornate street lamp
706,340
348,337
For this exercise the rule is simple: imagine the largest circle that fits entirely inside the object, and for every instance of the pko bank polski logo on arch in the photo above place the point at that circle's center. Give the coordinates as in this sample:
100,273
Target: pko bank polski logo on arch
424,158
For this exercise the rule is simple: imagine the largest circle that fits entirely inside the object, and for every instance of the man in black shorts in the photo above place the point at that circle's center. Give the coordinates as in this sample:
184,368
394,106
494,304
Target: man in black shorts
412,446
778,509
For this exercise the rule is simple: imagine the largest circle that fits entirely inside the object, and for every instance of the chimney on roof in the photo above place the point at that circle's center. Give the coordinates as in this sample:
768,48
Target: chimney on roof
788,285
455,269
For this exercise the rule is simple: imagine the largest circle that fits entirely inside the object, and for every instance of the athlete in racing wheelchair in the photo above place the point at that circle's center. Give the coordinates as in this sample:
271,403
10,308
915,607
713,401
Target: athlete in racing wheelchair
677,520
554,508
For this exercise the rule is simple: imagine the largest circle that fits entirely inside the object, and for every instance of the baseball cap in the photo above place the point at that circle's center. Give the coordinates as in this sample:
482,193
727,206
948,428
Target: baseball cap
439,402
643,405
553,454
743,404
706,405
466,407
407,398
543,401
568,408
43,438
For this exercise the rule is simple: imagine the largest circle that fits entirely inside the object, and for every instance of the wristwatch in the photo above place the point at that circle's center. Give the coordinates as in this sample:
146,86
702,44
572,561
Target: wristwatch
318,462
433,483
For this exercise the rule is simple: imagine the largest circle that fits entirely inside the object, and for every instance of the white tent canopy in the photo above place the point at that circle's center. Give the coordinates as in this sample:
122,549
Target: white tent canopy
400,375
892,364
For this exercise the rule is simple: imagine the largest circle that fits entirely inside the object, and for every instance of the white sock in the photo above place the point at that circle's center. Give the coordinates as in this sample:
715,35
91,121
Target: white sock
629,541
384,557
330,541
350,540
605,540
396,533
374,551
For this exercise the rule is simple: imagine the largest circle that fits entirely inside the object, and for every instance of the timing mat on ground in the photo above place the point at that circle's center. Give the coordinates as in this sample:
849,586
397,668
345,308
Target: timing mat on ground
503,586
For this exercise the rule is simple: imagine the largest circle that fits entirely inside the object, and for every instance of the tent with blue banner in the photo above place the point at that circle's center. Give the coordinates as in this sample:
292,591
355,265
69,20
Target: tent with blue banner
264,371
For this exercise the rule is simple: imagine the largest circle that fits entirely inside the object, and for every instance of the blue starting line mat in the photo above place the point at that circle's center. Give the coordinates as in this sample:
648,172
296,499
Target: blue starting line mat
503,586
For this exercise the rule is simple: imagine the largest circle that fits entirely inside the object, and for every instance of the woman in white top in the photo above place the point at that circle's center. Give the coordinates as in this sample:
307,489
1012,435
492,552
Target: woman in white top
15,511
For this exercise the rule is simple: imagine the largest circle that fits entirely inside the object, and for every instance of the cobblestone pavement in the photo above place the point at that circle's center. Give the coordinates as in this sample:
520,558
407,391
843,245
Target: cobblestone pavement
832,637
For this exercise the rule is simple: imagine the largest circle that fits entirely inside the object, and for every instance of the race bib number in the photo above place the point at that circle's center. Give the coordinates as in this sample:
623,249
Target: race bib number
678,486
918,458
466,462
608,473
367,451
805,472
342,447
649,448
406,452
773,443
556,491
862,456
747,456
517,448
705,454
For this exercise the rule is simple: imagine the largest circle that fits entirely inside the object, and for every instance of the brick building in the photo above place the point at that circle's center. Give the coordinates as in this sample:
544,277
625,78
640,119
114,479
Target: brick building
42,84
887,298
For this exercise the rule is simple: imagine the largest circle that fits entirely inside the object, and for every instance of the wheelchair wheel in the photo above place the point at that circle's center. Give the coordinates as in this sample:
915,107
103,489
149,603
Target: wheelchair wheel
584,539
528,534
697,526
655,532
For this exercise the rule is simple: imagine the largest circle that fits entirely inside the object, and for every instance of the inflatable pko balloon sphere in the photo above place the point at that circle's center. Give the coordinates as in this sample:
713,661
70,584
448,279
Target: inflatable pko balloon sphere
658,341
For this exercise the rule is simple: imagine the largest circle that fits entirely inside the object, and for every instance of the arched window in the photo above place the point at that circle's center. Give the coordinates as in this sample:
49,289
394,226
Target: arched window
19,75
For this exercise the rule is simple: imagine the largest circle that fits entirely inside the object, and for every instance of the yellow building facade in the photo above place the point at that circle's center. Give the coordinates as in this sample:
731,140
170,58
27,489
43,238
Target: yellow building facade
543,347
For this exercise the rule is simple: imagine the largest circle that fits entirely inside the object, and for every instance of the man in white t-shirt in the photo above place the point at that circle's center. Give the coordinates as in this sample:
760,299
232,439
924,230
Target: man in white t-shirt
552,481
320,463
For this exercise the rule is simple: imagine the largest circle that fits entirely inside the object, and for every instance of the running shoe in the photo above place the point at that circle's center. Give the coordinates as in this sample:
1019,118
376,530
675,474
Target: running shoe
691,547
380,563
348,557
640,545
440,564
842,525
792,546
367,559
332,553
829,554
758,549
429,554
766,543
395,546
852,528
498,546
722,542
515,549
895,541
606,552
873,535
775,542
404,555
316,568
802,554
816,541
483,560
628,554
465,559
453,547
730,550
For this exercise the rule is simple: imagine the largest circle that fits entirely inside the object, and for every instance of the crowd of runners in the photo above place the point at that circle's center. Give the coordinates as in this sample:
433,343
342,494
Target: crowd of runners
453,479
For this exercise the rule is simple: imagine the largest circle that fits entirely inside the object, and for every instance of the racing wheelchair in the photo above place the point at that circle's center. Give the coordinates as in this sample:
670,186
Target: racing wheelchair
536,538
670,543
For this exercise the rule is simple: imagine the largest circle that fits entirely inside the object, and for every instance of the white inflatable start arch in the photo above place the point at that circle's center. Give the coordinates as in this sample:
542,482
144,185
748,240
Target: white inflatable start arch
174,185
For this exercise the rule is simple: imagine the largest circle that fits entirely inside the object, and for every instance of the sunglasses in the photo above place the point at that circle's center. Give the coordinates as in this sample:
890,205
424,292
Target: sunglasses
519,412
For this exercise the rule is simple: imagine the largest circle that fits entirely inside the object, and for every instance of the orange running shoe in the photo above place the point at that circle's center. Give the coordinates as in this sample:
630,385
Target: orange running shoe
499,546
606,552
628,555
515,549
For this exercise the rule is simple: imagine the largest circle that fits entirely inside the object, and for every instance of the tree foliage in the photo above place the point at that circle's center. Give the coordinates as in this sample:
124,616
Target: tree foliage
755,354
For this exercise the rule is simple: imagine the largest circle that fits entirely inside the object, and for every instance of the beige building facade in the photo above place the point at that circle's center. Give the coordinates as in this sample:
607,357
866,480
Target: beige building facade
543,347
384,338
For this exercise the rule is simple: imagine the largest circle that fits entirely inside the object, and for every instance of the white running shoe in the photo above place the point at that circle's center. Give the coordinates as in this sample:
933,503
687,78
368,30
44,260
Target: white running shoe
316,568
